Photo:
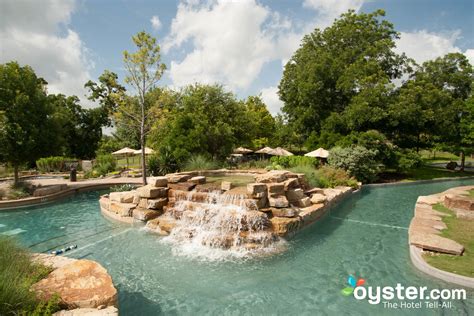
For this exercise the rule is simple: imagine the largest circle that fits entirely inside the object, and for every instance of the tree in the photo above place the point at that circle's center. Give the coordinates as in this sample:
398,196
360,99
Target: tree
144,70
262,127
349,65
109,92
27,130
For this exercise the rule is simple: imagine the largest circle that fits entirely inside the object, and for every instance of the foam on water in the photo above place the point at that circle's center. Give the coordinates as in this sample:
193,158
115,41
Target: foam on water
14,232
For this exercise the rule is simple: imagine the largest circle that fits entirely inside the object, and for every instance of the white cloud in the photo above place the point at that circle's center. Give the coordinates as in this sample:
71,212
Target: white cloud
29,34
271,99
328,10
231,41
155,22
470,55
423,45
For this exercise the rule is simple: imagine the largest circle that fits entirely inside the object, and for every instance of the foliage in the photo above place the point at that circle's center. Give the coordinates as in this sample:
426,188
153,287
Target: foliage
162,163
330,177
17,274
358,161
200,162
348,65
294,161
408,160
104,164
309,172
122,188
108,144
253,164
27,129
262,123
53,164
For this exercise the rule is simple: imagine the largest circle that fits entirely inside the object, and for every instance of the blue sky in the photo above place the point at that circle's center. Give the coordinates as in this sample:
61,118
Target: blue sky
242,44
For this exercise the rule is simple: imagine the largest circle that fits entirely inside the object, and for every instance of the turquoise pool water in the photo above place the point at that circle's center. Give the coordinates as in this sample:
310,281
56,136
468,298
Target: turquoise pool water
365,235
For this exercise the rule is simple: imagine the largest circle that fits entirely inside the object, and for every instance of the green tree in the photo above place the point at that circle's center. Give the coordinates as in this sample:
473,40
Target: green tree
349,65
27,130
144,70
262,122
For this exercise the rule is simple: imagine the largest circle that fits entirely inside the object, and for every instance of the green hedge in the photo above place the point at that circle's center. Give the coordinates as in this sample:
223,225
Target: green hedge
294,161
53,164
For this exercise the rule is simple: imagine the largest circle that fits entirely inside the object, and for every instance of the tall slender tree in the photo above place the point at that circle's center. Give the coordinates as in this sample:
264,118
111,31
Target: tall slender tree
144,70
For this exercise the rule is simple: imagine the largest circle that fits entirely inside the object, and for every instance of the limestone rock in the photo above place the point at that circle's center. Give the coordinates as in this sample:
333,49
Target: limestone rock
182,186
272,176
318,198
430,199
122,209
50,189
294,195
257,190
157,204
176,178
144,215
108,311
436,224
291,183
304,202
284,212
52,261
122,197
226,185
198,180
311,213
279,201
104,203
81,284
276,188
161,225
158,181
459,202
151,192
283,226
436,243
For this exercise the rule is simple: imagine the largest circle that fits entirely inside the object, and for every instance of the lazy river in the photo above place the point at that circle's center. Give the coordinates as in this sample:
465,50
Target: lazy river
365,235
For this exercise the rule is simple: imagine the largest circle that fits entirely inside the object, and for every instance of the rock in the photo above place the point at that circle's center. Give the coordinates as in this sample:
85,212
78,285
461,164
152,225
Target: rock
294,195
167,224
108,311
122,197
257,190
182,186
459,202
144,215
436,243
430,199
157,204
452,165
436,224
176,178
122,209
291,183
151,192
198,180
81,284
143,203
226,186
158,181
283,226
284,212
104,202
304,202
276,188
52,261
279,201
332,194
313,191
318,198
311,213
272,176
50,189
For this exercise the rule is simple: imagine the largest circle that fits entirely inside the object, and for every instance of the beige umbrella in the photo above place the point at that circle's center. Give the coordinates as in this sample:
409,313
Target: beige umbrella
242,150
320,153
264,150
126,152
148,151
280,152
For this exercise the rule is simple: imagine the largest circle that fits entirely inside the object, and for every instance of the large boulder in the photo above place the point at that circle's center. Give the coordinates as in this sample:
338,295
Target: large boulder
436,243
158,181
312,213
283,226
459,202
318,198
122,197
152,192
81,284
144,215
272,176
122,209
278,201
257,190
198,179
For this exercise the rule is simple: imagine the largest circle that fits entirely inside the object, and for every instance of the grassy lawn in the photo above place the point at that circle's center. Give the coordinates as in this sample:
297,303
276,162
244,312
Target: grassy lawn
462,231
237,181
471,193
439,157
429,172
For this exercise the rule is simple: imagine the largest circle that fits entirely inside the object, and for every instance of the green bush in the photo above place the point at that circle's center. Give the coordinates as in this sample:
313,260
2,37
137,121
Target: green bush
122,188
162,163
105,164
294,161
253,164
358,161
53,164
200,162
310,174
408,160
330,177
17,274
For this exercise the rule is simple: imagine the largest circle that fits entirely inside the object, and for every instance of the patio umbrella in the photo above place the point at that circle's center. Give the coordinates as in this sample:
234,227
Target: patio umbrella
126,152
242,150
264,150
319,153
280,152
148,151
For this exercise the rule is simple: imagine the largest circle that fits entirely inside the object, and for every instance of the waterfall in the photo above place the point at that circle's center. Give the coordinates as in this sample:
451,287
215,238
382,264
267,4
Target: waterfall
218,226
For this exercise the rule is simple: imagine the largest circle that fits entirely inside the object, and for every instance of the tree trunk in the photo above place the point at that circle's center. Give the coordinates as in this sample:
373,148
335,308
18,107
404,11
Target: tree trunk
15,181
142,143
463,160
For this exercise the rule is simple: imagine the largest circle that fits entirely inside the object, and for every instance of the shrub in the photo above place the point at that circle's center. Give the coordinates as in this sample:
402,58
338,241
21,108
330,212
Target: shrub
162,163
310,174
330,177
200,162
52,164
122,188
294,161
104,164
17,274
408,160
254,164
358,161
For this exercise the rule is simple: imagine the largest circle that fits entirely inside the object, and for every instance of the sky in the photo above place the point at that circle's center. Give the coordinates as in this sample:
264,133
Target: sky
241,44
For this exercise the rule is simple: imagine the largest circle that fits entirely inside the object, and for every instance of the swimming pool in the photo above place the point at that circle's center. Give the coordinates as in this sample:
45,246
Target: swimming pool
366,235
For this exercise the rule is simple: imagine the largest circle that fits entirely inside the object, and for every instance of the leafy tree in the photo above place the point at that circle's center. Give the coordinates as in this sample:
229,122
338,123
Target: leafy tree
27,130
349,65
262,122
144,70
358,161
